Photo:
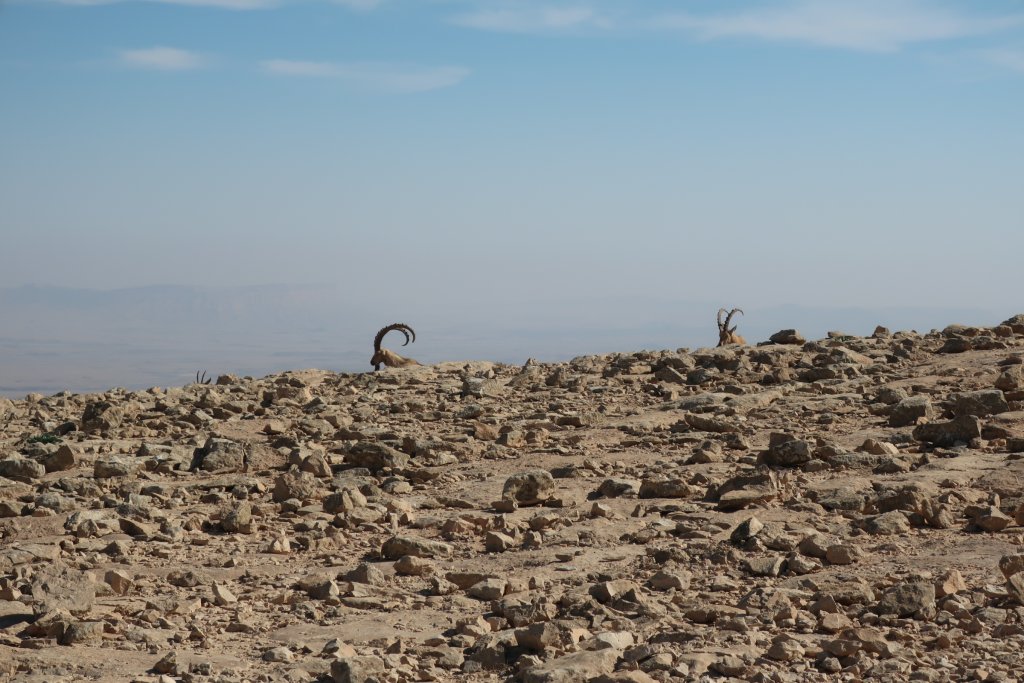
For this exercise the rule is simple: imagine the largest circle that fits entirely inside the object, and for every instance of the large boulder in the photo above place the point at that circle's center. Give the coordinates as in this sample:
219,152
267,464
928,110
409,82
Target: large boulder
220,455
907,411
101,416
529,488
945,434
376,456
980,403
22,469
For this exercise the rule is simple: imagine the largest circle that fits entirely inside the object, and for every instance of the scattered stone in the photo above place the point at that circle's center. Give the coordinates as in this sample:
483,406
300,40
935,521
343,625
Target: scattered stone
529,488
296,484
785,451
61,460
572,668
82,632
980,403
410,565
915,599
950,582
168,664
376,457
787,337
766,566
945,434
21,469
101,416
608,591
842,554
1011,564
220,455
991,519
238,519
223,596
887,524
119,581
663,581
665,488
746,530
398,546
107,468
278,654
61,588
910,410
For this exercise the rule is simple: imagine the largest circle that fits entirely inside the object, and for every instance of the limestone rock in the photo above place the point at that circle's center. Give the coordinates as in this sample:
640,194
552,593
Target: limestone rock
577,667
101,416
909,410
238,519
959,430
785,451
296,484
1011,564
220,455
529,488
887,524
787,337
911,599
399,546
376,456
62,588
21,469
357,670
980,403
61,460
107,468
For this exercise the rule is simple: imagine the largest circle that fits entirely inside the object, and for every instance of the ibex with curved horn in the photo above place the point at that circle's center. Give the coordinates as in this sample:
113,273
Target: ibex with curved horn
726,334
391,359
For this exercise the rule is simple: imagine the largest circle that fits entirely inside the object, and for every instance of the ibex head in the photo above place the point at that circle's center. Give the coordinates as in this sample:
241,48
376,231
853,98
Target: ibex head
382,356
204,379
726,334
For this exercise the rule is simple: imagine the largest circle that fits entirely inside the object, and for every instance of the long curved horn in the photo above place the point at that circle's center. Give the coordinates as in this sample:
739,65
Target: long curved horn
720,312
401,327
728,318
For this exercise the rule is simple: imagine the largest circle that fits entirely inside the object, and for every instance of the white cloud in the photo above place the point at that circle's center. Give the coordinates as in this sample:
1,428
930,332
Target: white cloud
530,19
1006,58
161,59
398,78
869,25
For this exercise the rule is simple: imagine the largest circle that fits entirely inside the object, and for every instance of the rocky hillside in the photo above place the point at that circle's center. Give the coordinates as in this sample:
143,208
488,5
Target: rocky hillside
848,508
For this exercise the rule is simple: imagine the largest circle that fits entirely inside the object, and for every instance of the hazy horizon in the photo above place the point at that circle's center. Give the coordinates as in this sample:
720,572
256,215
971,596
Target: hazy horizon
511,177
84,340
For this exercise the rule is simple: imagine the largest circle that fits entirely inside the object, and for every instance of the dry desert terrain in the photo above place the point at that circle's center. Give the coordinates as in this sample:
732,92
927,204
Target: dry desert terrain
849,508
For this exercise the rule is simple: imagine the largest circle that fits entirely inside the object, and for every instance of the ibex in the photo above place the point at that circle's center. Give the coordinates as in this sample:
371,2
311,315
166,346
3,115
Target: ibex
726,334
204,379
390,358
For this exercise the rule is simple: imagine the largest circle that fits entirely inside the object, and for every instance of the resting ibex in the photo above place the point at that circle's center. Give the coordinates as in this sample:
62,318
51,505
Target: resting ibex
390,358
726,334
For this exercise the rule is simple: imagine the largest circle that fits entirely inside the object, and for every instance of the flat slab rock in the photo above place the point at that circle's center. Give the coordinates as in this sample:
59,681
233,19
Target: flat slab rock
578,667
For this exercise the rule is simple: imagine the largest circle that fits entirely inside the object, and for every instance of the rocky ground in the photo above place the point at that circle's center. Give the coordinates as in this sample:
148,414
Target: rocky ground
841,509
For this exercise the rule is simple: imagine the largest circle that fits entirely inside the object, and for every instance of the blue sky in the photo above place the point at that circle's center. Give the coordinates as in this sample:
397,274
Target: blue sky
423,154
